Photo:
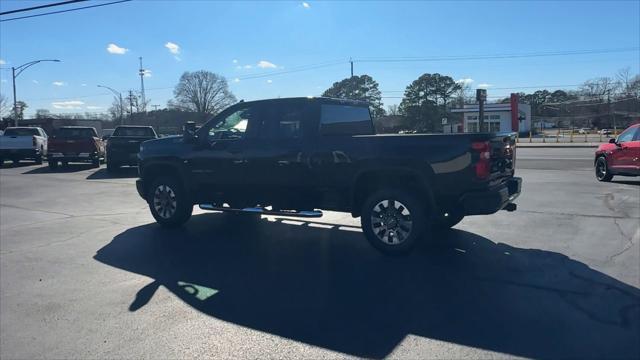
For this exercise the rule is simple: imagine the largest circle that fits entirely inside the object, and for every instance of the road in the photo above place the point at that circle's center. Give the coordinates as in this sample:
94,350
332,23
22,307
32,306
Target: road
86,273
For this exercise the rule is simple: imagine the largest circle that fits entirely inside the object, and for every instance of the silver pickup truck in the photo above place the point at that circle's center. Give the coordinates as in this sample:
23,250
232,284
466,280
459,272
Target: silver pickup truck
19,143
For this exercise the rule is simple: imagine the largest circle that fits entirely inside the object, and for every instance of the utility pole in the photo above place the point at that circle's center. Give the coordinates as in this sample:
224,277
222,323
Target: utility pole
131,98
351,62
615,130
481,97
142,72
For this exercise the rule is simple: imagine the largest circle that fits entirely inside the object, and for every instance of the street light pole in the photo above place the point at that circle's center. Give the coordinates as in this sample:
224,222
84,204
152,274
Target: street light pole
20,69
119,94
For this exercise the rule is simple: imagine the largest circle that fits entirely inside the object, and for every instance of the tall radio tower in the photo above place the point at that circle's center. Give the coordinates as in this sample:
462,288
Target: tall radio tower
142,71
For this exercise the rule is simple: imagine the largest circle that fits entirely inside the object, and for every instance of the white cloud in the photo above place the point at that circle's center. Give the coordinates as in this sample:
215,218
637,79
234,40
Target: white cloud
464,81
147,73
35,81
484,85
236,80
92,107
68,105
269,81
265,64
235,61
173,48
247,66
305,5
83,84
59,83
115,49
2,62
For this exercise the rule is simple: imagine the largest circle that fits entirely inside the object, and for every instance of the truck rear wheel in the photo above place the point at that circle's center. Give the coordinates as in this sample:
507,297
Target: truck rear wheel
393,221
168,202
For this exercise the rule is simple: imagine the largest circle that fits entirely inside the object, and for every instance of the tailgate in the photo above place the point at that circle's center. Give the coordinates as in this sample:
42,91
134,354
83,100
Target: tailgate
71,145
126,144
16,142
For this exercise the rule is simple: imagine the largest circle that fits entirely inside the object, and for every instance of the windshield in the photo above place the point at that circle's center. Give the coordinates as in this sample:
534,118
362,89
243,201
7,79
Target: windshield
134,132
75,132
21,132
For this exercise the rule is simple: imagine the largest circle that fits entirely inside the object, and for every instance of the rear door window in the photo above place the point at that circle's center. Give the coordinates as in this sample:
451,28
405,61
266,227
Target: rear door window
345,120
76,133
134,132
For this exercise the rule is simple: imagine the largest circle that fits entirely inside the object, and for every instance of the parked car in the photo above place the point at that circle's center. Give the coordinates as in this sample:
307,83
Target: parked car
75,144
620,156
294,156
124,144
583,131
604,132
19,143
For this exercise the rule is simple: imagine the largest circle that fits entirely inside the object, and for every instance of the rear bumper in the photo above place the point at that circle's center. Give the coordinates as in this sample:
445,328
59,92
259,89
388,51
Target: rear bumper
492,200
80,157
19,153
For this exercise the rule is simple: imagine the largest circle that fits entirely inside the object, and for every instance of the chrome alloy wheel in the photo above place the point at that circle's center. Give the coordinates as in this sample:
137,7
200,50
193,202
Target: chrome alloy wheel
391,222
164,201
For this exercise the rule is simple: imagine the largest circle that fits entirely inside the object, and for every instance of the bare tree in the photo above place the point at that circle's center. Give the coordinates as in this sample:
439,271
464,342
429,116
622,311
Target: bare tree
393,110
626,80
202,92
599,87
4,106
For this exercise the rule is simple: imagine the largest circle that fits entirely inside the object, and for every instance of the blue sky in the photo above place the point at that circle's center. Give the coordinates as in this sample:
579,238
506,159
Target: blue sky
237,39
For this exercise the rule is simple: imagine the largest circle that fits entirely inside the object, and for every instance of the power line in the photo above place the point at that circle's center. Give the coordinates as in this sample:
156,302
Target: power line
41,7
497,56
64,11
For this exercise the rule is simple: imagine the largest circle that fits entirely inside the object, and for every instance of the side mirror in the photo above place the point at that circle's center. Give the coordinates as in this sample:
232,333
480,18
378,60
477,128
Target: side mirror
189,131
612,141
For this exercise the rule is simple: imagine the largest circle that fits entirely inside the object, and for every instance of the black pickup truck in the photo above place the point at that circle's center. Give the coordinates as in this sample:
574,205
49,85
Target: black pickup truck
295,156
124,144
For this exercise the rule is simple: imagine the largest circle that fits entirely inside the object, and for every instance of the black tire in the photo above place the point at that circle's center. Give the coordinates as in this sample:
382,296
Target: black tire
53,165
96,162
112,167
602,170
448,222
169,202
39,159
404,224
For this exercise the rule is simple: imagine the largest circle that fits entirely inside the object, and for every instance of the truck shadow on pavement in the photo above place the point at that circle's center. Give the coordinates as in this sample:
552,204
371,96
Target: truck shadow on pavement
102,173
70,168
322,285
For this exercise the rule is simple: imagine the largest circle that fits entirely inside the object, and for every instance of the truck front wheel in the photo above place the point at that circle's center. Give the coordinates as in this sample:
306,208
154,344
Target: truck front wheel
168,202
393,221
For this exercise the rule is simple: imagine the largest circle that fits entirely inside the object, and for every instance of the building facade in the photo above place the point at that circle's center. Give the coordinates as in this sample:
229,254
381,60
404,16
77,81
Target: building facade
508,117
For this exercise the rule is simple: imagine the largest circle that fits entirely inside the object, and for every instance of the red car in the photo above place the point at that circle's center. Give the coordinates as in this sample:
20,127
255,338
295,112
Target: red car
621,156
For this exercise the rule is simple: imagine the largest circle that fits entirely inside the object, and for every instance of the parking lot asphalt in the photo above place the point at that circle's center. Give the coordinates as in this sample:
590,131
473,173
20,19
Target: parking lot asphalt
86,273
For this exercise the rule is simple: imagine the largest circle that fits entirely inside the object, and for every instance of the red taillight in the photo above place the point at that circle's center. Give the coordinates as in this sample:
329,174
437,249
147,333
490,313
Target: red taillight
483,166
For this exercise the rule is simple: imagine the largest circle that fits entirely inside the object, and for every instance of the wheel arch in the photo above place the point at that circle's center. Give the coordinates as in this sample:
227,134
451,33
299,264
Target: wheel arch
369,181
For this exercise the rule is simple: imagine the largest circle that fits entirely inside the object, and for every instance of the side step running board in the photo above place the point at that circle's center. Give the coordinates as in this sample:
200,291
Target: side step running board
263,211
